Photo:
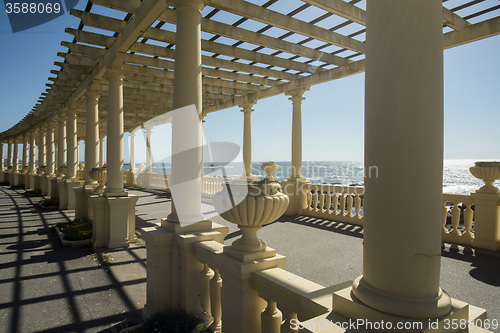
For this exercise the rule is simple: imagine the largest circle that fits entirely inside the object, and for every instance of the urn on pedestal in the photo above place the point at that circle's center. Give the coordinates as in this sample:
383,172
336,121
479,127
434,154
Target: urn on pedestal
488,172
251,205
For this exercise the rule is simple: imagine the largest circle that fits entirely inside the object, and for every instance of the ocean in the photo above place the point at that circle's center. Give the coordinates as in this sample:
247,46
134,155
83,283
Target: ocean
456,176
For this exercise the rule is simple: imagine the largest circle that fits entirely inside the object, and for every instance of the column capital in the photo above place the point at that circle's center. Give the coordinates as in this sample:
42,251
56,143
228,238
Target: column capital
246,108
296,94
190,4
115,69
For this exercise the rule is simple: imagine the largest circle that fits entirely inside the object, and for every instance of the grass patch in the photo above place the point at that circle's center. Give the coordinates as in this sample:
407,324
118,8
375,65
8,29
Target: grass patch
76,230
174,322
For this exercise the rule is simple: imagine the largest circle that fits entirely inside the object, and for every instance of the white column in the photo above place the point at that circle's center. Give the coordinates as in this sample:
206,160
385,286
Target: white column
72,159
149,164
41,147
9,153
296,98
1,157
114,142
132,151
247,139
101,151
31,153
403,155
25,151
61,144
92,136
50,149
15,157
187,132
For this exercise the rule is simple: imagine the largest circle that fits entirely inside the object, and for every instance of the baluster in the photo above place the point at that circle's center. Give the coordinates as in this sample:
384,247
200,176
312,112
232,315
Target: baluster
290,325
455,219
315,200
205,276
215,297
271,318
468,217
445,217
342,204
335,202
349,204
328,205
309,199
357,206
321,200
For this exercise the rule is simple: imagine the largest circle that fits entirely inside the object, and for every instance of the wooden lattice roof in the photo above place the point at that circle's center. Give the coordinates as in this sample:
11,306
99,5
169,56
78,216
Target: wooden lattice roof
251,49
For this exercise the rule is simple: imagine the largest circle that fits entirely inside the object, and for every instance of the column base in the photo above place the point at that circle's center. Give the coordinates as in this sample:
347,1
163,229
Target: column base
62,192
71,184
411,308
80,207
113,221
348,306
52,187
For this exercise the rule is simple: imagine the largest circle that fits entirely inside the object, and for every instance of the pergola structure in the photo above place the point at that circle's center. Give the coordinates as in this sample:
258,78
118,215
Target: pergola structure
142,59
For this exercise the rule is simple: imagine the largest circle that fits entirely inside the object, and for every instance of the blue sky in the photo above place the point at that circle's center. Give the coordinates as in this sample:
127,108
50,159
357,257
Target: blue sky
332,112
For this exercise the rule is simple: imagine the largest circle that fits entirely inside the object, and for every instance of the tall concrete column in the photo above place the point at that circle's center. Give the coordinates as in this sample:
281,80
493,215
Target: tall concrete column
9,153
32,157
50,149
25,151
92,136
296,98
132,150
15,157
61,144
114,142
101,151
149,163
1,157
247,139
186,129
41,147
403,154
72,153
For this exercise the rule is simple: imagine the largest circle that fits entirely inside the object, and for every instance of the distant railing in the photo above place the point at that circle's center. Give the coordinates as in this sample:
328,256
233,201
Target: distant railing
333,202
211,186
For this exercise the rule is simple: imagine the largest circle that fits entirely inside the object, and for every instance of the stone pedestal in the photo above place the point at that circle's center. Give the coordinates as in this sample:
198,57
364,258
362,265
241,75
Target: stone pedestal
62,192
52,187
114,220
43,185
80,207
345,304
35,182
71,184
487,221
241,304
18,179
172,246
294,188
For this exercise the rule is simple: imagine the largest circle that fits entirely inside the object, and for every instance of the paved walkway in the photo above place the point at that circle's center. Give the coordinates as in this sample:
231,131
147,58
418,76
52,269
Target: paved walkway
49,288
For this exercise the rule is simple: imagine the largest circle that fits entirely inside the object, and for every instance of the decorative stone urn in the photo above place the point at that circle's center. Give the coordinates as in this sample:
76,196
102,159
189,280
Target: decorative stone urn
140,166
251,205
42,170
100,175
62,169
488,172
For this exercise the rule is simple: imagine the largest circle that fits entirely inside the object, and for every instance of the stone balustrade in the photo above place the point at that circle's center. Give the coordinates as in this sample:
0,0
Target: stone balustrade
458,219
211,186
333,202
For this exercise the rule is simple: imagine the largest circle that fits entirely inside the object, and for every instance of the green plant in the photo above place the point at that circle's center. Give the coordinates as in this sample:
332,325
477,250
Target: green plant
50,202
174,322
78,229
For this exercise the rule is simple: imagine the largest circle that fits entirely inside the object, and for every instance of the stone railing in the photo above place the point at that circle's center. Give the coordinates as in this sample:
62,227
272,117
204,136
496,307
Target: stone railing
458,218
333,202
276,288
211,186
